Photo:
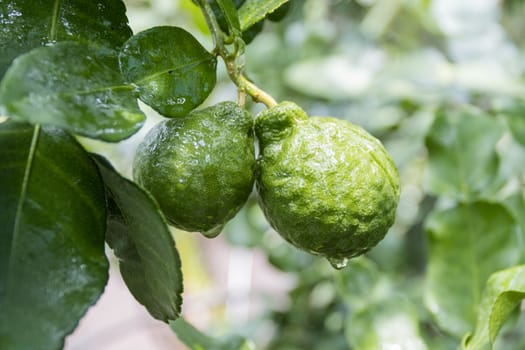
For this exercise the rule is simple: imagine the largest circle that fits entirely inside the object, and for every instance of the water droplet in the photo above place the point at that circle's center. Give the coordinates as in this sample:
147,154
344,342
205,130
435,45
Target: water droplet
338,263
181,100
212,233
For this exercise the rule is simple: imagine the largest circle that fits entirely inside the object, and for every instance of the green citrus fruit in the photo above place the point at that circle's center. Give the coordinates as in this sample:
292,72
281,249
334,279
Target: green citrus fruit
326,185
199,168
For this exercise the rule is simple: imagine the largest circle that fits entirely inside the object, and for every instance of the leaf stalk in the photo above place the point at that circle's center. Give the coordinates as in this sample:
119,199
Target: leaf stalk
232,60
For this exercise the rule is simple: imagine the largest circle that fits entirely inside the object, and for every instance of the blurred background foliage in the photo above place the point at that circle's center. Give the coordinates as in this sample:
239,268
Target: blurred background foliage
441,83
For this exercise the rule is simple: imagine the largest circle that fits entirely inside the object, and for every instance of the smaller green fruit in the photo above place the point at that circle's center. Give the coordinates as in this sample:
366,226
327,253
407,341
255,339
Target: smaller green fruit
326,185
199,168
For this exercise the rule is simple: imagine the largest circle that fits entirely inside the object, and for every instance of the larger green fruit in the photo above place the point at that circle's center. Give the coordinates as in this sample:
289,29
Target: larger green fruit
199,168
326,185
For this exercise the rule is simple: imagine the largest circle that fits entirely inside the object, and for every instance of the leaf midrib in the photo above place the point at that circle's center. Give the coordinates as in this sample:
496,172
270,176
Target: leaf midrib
177,68
21,201
61,94
54,21
29,161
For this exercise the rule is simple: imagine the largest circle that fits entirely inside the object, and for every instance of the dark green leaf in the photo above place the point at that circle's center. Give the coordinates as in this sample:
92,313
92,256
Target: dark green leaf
196,340
73,86
27,24
463,162
141,239
503,293
252,11
230,14
467,244
52,223
172,71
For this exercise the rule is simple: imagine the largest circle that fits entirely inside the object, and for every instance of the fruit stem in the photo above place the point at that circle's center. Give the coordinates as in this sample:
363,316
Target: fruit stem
241,98
233,65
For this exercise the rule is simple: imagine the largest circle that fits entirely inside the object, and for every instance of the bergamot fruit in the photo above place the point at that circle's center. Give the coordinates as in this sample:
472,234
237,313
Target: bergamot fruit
325,185
199,168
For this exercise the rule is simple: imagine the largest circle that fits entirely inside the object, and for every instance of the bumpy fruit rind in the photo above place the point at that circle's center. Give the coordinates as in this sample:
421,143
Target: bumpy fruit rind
199,168
327,186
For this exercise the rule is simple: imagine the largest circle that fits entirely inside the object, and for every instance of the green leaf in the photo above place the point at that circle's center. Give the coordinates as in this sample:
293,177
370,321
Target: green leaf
196,340
74,86
52,223
230,14
27,24
389,324
516,122
252,11
467,244
172,71
515,204
140,237
503,293
463,163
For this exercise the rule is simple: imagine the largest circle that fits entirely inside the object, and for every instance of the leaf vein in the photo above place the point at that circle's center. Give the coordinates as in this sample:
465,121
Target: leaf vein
168,70
74,186
23,193
54,20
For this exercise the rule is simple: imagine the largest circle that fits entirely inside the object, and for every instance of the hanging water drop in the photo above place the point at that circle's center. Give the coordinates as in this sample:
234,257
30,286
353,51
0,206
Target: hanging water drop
338,263
212,233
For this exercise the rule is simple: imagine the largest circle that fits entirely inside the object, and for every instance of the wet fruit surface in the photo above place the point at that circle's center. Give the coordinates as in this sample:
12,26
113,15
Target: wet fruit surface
326,185
200,168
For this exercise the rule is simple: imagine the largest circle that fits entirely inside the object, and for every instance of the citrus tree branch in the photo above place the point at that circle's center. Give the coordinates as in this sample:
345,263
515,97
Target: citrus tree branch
231,60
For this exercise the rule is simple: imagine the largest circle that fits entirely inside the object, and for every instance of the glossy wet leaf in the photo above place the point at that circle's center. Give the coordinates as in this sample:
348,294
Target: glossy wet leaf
196,340
171,70
73,86
141,239
252,11
463,162
27,24
52,223
389,324
467,244
503,293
